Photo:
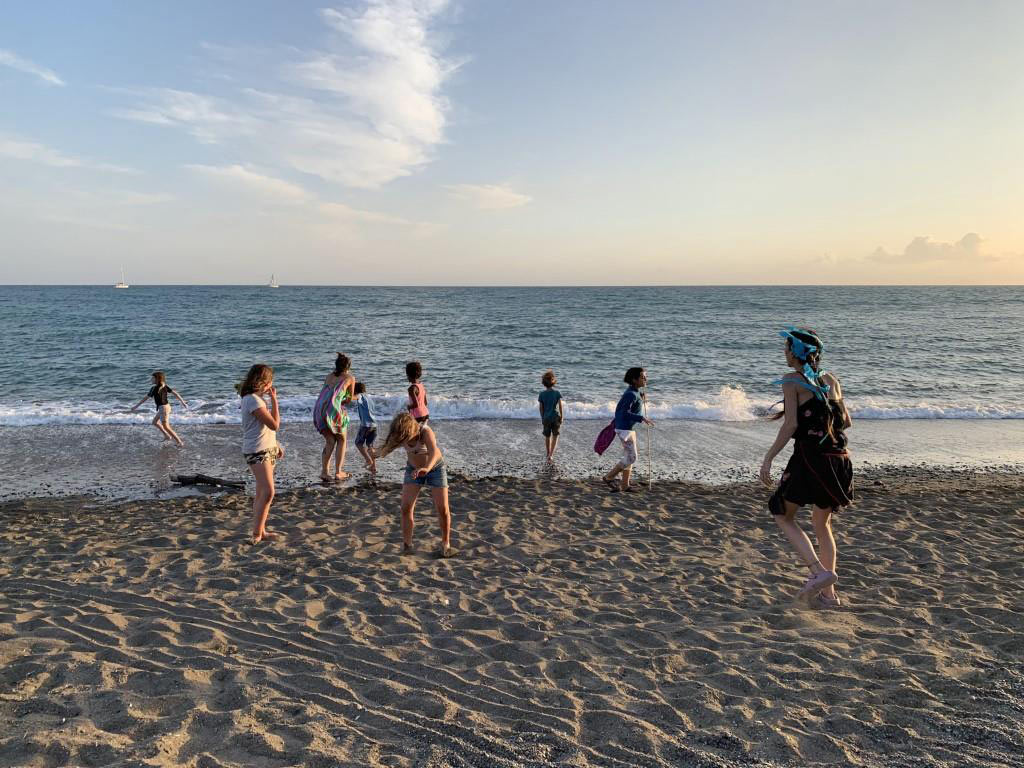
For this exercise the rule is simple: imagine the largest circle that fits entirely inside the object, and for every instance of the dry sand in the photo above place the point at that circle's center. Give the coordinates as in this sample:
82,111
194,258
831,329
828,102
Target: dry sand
575,628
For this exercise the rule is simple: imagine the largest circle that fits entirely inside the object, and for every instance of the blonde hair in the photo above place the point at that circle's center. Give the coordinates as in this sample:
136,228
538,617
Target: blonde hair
403,429
161,380
548,379
258,377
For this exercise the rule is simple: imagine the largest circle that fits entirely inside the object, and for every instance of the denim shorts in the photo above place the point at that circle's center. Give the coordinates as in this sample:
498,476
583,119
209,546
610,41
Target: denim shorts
366,435
435,478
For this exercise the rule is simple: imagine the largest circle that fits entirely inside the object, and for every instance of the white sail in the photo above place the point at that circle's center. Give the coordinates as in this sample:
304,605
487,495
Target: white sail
122,284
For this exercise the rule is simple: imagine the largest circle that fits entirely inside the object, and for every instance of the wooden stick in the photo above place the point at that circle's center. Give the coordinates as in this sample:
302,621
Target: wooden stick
650,446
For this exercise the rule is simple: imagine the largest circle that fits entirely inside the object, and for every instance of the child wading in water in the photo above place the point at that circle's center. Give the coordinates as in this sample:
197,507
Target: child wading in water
819,472
259,442
417,392
330,417
367,427
628,413
424,466
550,411
159,392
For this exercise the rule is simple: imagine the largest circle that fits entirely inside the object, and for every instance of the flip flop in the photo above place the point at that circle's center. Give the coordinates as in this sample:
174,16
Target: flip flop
828,603
813,586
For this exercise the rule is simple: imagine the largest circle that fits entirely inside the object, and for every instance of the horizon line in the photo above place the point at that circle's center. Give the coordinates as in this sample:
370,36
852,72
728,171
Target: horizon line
517,285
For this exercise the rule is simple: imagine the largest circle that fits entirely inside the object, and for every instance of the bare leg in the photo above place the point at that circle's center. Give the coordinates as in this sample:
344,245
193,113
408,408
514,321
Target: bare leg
444,515
339,457
158,422
614,471
409,493
325,456
264,476
554,444
174,435
797,538
626,472
822,520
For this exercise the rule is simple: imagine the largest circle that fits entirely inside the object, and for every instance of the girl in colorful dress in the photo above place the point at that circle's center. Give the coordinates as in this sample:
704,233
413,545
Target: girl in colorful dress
330,417
819,472
160,393
259,442
424,467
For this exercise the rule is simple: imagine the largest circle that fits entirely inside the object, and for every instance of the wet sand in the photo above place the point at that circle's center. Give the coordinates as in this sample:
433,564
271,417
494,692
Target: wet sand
575,628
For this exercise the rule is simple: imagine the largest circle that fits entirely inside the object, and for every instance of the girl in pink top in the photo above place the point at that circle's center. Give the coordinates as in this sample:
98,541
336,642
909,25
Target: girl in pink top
417,392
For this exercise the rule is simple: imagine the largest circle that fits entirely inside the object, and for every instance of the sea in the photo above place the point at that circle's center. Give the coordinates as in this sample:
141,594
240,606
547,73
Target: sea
933,376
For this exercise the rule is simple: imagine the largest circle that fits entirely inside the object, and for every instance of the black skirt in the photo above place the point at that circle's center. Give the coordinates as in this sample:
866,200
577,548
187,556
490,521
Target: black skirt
821,478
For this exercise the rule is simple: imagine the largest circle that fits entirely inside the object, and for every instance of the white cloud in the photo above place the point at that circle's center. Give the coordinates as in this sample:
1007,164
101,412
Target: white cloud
365,111
267,185
208,119
922,250
34,152
488,196
342,212
14,61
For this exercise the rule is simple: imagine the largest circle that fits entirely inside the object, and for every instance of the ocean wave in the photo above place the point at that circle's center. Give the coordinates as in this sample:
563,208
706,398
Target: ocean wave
729,404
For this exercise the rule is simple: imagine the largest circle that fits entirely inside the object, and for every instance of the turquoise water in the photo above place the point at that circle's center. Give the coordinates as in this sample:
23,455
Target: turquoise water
82,354
933,376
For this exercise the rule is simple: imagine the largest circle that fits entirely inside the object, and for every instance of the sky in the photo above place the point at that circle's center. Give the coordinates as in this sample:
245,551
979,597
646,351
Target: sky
483,142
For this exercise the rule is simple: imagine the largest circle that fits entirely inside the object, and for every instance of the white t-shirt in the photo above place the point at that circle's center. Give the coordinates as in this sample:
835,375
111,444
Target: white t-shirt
256,436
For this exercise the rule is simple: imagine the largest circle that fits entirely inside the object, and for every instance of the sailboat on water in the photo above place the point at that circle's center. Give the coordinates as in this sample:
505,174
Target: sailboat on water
273,282
122,283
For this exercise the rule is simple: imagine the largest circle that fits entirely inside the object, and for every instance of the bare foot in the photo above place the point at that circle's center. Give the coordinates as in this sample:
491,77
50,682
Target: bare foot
341,475
268,534
326,478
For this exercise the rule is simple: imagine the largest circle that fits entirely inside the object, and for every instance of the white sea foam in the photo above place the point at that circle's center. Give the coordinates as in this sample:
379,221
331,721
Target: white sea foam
729,404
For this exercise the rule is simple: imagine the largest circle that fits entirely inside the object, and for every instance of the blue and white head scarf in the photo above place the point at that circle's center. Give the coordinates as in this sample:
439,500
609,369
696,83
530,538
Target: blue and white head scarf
802,351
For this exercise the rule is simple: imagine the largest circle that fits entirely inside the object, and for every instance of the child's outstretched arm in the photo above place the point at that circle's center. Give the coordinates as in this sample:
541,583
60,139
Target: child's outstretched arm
136,406
180,400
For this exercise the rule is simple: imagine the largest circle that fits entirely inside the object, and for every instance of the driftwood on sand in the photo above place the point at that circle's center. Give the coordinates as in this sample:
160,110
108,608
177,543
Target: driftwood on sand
206,480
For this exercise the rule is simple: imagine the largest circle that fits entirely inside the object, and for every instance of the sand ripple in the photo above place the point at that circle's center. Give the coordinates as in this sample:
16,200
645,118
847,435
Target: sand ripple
575,628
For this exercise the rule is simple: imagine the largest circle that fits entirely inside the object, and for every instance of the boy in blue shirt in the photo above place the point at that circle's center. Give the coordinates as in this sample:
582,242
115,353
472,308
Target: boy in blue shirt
367,427
550,411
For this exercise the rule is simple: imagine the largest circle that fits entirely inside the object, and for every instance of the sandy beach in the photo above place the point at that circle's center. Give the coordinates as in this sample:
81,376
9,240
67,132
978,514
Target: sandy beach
575,628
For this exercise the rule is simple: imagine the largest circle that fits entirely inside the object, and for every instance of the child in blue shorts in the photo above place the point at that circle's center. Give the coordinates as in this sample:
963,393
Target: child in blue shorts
551,412
367,427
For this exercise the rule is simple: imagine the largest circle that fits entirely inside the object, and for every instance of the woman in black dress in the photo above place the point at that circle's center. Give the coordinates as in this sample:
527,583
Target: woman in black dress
819,472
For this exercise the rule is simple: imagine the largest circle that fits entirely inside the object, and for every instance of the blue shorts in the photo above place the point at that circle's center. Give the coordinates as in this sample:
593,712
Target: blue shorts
366,435
435,478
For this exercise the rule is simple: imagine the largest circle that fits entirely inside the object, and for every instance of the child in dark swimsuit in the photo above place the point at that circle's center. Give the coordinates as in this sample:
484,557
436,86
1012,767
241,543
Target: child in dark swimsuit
819,472
160,393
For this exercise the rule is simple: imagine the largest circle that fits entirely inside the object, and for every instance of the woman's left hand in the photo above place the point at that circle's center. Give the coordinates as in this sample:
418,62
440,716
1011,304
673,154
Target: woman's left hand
766,472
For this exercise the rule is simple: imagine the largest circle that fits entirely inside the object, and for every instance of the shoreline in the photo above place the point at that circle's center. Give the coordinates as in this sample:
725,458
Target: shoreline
575,627
123,463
